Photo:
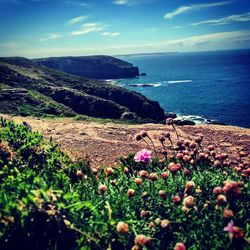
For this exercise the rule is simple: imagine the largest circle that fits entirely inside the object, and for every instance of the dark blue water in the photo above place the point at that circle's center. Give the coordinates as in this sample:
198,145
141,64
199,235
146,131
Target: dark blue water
203,85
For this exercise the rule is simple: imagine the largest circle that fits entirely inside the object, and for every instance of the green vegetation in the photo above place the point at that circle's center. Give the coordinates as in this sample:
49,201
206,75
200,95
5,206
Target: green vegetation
29,89
49,202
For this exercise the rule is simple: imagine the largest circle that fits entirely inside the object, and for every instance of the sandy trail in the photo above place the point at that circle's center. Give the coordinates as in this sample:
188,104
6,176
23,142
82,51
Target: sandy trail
105,143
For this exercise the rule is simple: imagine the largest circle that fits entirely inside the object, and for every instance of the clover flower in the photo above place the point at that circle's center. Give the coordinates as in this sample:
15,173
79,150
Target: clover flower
234,232
143,156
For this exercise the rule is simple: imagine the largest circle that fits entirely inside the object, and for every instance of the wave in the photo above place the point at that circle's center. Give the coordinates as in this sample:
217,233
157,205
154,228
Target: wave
180,81
195,118
144,84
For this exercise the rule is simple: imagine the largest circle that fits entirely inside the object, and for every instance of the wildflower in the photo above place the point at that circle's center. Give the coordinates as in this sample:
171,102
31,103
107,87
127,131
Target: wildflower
189,201
164,223
242,154
138,181
217,163
192,145
189,185
153,177
234,232
186,171
144,195
141,239
109,171
161,138
170,121
102,188
231,188
211,147
164,175
177,199
113,182
131,192
167,135
126,170
162,194
228,213
79,173
94,171
179,156
179,246
143,213
151,224
138,137
174,168
143,174
223,156
180,143
143,133
198,139
217,190
143,156
157,221
221,199
186,158
122,227
202,156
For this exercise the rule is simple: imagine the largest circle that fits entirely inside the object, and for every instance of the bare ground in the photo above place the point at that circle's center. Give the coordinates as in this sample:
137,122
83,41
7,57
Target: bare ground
105,143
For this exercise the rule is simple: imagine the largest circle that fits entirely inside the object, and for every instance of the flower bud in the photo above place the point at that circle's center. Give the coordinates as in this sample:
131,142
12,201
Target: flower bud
102,188
131,192
138,181
189,201
122,227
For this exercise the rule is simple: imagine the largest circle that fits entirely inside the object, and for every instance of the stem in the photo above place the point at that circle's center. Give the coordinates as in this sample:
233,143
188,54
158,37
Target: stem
153,147
176,132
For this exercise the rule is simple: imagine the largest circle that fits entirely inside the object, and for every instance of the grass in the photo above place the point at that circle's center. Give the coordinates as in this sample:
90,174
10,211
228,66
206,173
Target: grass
47,201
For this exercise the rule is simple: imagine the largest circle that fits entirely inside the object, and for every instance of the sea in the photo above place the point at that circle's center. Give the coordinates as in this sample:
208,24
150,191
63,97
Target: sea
201,86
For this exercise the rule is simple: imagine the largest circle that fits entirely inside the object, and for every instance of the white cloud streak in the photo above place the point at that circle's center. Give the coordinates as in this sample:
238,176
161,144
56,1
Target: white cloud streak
87,28
52,36
245,17
184,9
111,34
77,19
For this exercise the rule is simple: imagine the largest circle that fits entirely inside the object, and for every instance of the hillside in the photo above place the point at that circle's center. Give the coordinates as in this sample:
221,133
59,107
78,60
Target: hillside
27,88
94,67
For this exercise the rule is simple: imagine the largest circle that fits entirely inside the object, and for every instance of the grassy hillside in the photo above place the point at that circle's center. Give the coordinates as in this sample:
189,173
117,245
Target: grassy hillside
22,81
195,200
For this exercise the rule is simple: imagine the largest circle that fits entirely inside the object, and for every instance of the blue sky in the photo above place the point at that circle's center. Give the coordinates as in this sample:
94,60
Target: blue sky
41,28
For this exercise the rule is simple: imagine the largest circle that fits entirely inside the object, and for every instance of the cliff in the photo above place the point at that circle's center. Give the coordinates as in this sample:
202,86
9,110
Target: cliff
27,88
94,67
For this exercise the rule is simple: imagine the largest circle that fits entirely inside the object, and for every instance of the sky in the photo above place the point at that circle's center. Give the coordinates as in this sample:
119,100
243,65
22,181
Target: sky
44,28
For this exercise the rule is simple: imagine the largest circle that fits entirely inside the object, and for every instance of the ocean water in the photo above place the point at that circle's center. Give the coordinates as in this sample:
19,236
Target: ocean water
201,86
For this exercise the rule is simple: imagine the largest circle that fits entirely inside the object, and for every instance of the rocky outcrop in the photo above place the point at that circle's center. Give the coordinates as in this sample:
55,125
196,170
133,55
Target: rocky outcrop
94,67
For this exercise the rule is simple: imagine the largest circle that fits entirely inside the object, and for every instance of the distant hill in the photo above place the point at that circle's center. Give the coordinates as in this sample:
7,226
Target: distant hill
93,67
29,89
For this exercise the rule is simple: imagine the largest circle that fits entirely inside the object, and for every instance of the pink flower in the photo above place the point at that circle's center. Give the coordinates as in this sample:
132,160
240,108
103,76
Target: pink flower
143,156
229,228
179,246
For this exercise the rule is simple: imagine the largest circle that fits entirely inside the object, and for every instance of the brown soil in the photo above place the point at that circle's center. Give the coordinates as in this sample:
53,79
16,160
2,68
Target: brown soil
105,143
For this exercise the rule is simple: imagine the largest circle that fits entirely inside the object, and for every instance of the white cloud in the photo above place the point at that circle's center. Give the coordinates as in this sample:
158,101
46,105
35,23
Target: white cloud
77,19
112,34
133,2
87,28
245,17
50,37
121,2
210,38
183,9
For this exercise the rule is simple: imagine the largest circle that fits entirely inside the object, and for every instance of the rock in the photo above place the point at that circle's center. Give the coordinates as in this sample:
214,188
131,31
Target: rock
183,122
128,116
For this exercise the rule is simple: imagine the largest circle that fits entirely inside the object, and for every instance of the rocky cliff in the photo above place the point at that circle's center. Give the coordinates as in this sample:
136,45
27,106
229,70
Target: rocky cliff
29,89
94,67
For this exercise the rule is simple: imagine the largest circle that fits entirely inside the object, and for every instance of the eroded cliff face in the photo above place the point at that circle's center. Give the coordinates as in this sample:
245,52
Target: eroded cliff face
93,67
29,89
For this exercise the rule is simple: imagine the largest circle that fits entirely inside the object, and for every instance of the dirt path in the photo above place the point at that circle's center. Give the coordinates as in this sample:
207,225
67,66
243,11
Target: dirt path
105,143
